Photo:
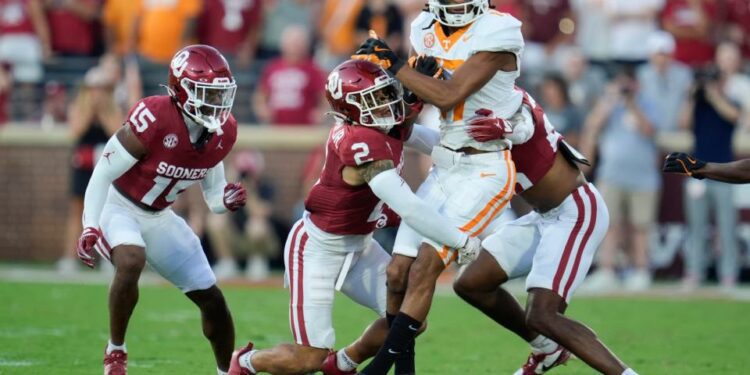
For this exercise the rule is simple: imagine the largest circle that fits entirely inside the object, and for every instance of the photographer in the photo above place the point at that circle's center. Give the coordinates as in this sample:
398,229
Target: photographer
622,126
713,111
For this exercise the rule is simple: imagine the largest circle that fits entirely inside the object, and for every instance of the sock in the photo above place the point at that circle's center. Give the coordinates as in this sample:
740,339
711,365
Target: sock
344,362
112,347
219,372
402,333
543,344
389,317
404,364
246,362
629,371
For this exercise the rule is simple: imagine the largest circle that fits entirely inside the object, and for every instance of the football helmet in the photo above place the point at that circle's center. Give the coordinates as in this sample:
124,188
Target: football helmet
362,93
202,84
457,13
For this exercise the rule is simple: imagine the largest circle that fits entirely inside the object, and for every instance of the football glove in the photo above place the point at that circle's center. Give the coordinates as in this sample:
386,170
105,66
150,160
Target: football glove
426,65
485,127
470,251
376,51
85,246
680,162
235,196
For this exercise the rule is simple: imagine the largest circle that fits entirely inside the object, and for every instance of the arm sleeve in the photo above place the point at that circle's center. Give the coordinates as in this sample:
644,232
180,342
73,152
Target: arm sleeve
213,188
423,139
113,163
523,126
393,190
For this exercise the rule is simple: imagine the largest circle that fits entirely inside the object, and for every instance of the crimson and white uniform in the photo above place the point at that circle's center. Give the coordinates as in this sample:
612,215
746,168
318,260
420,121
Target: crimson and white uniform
137,210
331,247
555,248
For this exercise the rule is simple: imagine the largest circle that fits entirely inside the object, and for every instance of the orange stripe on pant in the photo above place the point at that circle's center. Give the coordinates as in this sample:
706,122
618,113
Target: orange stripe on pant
509,184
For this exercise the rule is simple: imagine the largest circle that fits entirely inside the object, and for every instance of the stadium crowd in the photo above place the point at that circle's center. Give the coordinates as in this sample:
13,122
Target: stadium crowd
610,74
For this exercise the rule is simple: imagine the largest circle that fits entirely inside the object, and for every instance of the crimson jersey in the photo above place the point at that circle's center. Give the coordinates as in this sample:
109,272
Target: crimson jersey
339,208
536,156
171,164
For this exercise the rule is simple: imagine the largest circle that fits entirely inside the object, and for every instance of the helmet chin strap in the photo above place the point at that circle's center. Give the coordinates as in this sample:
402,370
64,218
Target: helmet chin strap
211,124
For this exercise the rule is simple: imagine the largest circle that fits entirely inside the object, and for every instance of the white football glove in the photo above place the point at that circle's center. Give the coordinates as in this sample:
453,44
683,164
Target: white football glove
470,251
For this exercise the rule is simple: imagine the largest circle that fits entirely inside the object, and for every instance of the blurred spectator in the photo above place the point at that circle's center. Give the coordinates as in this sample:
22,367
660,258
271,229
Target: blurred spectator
547,25
24,43
291,87
93,117
6,82
691,23
248,232
624,123
738,24
118,19
233,27
712,114
127,84
386,19
55,104
592,30
277,15
631,23
73,26
585,82
336,29
511,7
161,28
557,106
665,82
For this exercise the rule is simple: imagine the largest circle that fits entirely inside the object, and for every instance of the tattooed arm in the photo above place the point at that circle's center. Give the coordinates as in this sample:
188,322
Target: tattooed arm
387,185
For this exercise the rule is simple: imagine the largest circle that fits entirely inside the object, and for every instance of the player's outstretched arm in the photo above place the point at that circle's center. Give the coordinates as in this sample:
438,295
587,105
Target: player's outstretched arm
423,139
387,185
219,195
736,172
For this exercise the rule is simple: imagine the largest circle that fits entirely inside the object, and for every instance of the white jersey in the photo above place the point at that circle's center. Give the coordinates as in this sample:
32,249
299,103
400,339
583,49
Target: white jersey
491,32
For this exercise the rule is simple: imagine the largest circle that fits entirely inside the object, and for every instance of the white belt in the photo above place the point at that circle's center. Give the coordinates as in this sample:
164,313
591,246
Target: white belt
446,158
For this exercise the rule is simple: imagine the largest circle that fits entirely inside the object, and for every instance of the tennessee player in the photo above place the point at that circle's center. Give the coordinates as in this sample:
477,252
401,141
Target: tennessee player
331,248
553,246
167,144
736,172
472,181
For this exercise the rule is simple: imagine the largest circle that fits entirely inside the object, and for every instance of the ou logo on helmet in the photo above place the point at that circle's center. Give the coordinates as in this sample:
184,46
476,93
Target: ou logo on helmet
179,63
334,85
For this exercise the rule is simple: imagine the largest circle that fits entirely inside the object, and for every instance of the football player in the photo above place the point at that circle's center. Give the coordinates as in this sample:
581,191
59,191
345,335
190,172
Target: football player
736,172
331,248
168,143
553,246
471,181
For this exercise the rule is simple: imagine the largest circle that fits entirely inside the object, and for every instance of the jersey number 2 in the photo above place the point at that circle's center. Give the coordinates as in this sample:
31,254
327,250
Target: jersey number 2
161,184
361,151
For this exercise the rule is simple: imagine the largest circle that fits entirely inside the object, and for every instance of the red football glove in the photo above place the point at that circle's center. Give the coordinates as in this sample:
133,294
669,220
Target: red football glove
485,127
85,247
234,196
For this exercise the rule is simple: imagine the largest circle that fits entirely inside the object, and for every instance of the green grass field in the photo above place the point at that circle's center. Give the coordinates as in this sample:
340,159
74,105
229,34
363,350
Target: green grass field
62,329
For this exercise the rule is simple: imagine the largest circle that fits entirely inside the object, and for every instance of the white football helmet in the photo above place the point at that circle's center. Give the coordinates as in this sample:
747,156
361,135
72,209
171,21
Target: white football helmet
450,13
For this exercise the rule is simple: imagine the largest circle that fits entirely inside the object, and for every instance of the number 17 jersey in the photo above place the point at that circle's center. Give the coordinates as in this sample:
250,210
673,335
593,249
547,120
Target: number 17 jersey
171,163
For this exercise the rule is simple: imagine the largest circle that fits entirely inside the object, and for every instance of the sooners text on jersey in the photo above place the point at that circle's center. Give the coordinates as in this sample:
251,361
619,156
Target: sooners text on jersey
339,208
171,164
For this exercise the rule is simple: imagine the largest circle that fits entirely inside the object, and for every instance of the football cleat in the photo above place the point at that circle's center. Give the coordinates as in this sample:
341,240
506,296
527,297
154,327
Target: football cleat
234,363
330,367
115,363
543,362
